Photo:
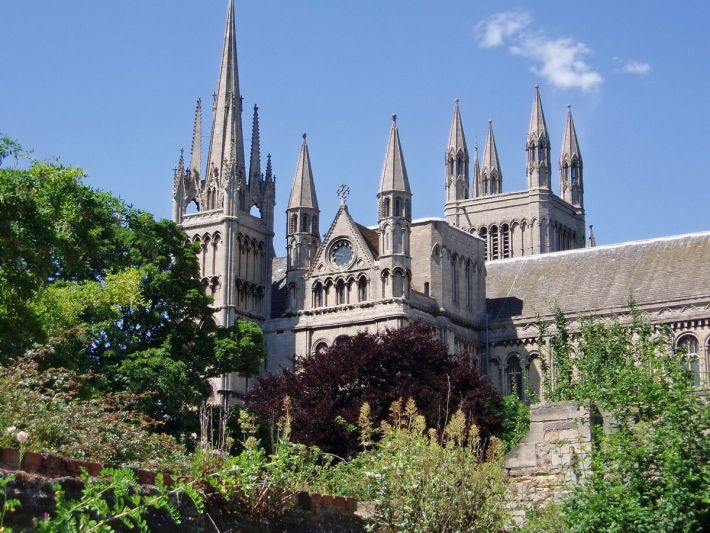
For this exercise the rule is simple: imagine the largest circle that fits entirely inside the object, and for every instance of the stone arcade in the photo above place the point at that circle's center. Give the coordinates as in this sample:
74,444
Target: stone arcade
480,276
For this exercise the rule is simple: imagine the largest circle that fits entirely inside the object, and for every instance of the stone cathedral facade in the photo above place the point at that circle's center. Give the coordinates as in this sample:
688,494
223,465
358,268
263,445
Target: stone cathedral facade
480,276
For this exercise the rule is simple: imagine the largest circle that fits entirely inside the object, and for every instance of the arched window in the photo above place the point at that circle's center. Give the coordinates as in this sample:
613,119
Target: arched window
293,226
426,288
362,289
455,278
305,227
385,283
320,347
407,209
451,166
688,345
494,243
341,339
397,207
505,240
541,153
483,234
386,209
514,376
469,285
535,376
318,295
314,225
340,293
398,284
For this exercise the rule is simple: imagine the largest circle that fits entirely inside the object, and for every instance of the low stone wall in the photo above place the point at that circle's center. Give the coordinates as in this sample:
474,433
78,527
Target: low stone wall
553,456
37,473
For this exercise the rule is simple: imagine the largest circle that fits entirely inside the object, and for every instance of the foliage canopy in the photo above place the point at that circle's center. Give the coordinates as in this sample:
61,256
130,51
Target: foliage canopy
109,289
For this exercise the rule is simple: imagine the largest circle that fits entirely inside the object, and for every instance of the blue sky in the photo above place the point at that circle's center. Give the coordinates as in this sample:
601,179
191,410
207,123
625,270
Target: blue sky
110,87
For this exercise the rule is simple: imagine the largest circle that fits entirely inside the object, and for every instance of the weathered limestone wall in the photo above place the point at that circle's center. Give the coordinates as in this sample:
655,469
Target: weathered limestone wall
553,455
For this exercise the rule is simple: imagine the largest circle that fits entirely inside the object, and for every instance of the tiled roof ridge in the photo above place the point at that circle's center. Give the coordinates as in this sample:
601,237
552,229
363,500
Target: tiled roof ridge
639,242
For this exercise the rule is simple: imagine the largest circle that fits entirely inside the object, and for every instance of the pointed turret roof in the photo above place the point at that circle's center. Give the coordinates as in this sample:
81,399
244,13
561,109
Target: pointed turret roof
457,139
394,172
538,126
303,190
196,152
227,122
476,171
255,160
490,152
570,145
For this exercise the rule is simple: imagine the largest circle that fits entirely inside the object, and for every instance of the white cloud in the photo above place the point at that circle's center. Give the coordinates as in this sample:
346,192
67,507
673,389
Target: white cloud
494,30
560,61
636,67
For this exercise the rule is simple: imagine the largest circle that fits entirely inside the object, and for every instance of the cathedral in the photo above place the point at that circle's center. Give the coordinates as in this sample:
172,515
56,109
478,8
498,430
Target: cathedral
482,276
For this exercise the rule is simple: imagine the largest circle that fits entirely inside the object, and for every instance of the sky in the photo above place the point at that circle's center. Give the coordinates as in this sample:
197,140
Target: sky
111,87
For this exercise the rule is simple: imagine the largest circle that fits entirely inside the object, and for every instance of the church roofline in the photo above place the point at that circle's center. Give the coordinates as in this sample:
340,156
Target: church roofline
541,257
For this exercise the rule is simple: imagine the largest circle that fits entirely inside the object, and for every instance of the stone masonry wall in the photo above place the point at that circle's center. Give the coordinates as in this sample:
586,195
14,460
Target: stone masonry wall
553,456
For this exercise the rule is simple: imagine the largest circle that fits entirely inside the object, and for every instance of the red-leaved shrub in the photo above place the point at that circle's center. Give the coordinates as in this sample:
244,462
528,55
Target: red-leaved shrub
327,389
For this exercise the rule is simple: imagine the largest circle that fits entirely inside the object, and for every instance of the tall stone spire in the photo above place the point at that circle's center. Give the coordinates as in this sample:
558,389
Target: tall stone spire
196,152
394,219
302,214
491,179
571,165
537,147
394,172
226,140
457,139
476,173
456,160
303,190
255,161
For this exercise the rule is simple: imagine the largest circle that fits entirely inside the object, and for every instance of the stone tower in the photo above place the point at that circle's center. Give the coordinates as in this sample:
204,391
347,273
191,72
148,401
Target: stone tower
229,213
571,167
302,228
537,147
491,176
394,218
456,160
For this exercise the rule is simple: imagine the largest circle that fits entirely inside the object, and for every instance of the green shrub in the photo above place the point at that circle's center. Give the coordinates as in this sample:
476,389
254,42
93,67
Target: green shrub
651,472
423,482
113,499
60,414
516,421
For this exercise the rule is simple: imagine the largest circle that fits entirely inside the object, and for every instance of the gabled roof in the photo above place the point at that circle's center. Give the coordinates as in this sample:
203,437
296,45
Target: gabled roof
344,225
656,272
371,238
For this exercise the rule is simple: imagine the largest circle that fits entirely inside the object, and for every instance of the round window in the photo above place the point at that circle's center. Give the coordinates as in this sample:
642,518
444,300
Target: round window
341,253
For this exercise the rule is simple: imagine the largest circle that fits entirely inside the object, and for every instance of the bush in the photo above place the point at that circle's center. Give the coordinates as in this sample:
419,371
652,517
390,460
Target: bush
423,482
650,473
61,414
516,421
327,389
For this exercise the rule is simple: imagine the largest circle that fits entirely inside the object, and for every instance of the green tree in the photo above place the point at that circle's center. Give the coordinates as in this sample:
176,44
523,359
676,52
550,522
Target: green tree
111,290
650,472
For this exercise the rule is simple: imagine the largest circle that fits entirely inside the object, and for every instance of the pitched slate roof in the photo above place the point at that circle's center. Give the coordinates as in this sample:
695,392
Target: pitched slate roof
593,280
371,239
